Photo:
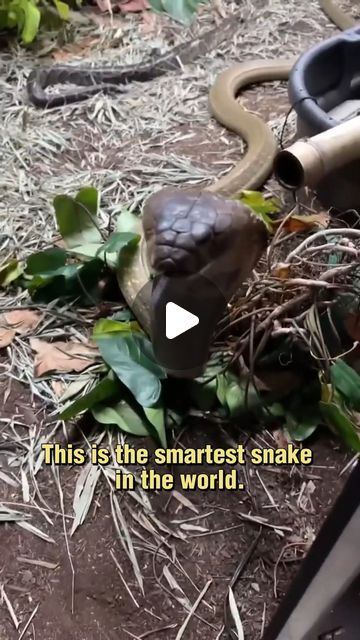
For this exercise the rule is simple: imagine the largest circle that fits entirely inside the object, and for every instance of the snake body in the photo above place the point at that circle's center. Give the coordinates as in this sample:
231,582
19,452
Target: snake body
250,173
114,79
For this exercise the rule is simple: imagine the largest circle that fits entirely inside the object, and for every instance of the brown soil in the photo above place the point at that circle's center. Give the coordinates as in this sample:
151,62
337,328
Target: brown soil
103,608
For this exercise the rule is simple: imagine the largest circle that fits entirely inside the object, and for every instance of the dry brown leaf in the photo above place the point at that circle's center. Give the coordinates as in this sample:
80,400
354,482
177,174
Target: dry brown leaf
149,23
58,387
80,48
134,6
6,337
281,270
62,356
299,223
280,438
16,322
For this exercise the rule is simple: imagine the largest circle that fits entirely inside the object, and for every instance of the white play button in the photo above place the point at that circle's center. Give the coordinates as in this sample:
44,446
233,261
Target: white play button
178,320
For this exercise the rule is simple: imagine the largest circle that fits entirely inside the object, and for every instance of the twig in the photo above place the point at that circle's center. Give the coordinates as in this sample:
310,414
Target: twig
238,572
319,234
180,633
28,623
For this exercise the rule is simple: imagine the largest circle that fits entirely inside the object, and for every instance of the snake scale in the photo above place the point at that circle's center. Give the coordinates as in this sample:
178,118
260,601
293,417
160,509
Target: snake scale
253,169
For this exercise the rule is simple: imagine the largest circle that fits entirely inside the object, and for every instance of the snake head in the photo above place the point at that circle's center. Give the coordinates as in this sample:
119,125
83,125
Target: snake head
189,232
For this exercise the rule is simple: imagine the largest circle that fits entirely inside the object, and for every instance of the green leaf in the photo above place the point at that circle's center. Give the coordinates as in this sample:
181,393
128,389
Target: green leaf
255,200
68,282
277,410
9,272
63,9
340,424
88,198
156,416
124,315
131,357
300,430
31,22
121,415
347,382
231,392
157,6
87,250
106,389
106,326
76,218
181,10
46,261
117,241
261,206
122,244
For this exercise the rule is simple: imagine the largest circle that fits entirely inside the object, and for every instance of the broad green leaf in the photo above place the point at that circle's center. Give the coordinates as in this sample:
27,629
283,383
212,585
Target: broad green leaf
131,357
87,250
69,282
203,390
54,284
277,410
261,206
121,415
88,197
124,315
117,241
46,261
255,200
77,218
301,429
106,389
234,395
181,10
156,416
347,382
31,23
340,424
122,245
63,9
106,326
157,5
9,272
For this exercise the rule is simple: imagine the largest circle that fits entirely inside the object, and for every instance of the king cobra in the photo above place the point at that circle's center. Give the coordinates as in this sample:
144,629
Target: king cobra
160,248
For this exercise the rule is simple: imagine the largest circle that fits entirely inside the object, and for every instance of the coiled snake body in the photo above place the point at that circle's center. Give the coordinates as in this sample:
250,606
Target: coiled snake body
253,169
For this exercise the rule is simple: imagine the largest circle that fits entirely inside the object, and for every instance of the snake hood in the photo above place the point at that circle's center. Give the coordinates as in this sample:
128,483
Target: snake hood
195,232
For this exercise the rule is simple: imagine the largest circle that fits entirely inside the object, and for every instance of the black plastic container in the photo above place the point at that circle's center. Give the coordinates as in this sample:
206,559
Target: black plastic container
324,89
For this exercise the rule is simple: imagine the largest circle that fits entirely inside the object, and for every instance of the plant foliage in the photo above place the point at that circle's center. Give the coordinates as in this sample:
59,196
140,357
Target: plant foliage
26,16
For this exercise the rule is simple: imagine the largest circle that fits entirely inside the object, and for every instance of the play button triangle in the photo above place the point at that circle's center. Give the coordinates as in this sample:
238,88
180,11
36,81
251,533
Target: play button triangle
178,320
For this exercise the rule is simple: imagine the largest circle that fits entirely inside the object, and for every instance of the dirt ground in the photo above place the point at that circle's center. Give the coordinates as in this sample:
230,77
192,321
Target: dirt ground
84,586
203,543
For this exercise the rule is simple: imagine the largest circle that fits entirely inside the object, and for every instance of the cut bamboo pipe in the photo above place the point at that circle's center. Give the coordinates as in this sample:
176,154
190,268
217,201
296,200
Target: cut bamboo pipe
308,160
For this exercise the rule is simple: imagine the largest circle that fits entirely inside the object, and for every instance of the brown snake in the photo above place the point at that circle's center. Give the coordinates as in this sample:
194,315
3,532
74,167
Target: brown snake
253,169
